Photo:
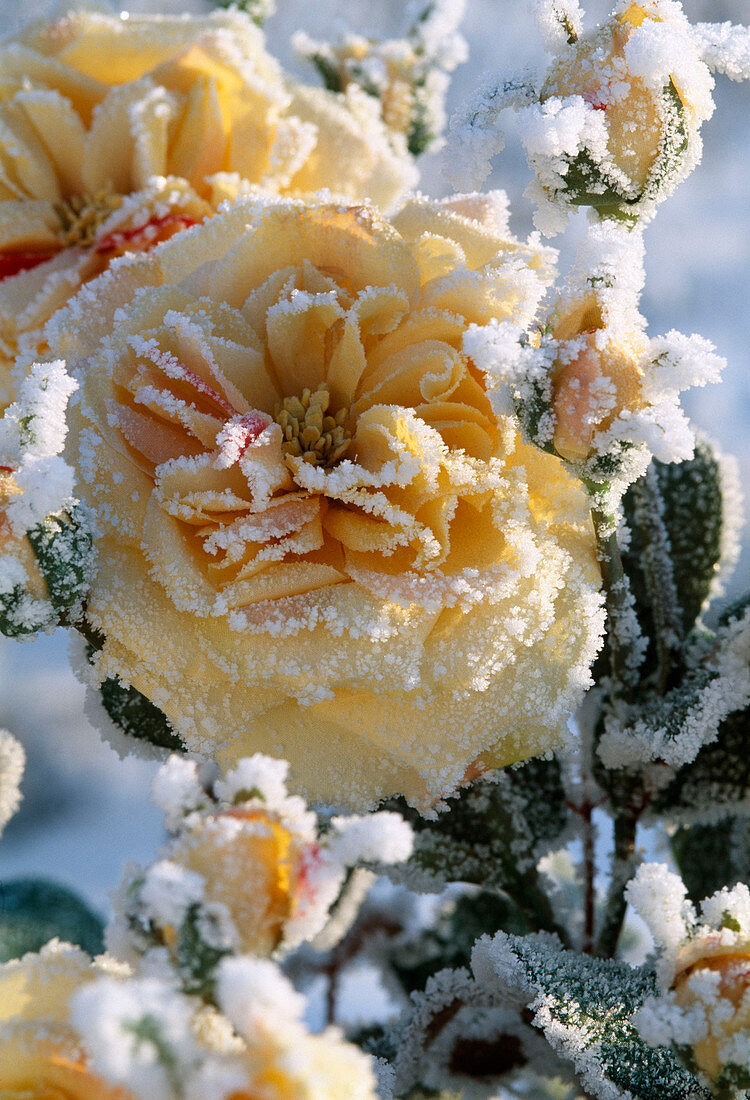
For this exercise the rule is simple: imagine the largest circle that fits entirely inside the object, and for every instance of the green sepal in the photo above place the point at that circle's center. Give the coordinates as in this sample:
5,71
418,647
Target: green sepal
588,183
196,959
328,71
34,911
137,716
63,547
584,1007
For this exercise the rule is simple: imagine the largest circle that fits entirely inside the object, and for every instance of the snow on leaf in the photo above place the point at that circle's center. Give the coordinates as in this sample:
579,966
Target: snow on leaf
584,1007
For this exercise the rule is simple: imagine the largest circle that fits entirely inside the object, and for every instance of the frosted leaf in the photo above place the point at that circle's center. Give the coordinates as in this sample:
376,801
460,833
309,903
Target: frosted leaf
491,834
674,727
716,783
459,1035
12,761
584,1008
686,522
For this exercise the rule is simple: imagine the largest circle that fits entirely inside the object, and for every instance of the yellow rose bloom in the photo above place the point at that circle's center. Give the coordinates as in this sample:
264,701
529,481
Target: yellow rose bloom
117,132
319,541
41,1056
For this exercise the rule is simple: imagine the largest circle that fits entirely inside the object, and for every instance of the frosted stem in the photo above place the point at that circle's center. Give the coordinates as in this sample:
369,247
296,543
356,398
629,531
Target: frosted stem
624,863
621,635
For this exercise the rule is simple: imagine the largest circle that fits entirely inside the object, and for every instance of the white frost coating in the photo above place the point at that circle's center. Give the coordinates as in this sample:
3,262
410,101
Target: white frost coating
35,424
725,48
168,891
108,1013
12,761
177,790
632,739
256,773
557,21
380,837
475,133
660,898
254,992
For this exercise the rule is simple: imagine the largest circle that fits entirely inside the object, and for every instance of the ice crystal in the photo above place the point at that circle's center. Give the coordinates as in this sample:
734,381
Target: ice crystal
12,761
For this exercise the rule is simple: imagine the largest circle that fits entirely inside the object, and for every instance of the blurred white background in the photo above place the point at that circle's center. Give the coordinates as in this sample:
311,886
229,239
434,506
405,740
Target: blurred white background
85,812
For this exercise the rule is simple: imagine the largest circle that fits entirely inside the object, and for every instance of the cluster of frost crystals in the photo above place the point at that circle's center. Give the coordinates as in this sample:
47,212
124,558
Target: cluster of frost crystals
589,385
717,685
409,75
145,1036
246,869
12,761
703,1007
36,486
614,122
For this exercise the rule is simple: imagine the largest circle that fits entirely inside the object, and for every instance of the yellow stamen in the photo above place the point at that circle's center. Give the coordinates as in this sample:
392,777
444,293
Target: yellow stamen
310,432
81,215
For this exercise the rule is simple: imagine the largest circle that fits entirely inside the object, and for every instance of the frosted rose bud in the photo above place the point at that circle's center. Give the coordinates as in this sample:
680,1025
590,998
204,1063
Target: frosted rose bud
250,863
41,1052
712,977
646,93
590,389
247,864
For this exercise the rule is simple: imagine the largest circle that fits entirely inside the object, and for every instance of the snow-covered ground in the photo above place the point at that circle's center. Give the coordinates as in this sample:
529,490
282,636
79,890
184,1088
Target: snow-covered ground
85,812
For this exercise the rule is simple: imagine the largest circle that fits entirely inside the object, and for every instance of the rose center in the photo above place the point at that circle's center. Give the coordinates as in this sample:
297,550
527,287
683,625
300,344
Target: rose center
310,431
81,215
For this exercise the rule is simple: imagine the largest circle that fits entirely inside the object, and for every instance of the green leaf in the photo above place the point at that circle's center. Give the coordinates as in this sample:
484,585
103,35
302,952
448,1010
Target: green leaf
712,856
34,911
690,506
492,832
584,1007
716,782
137,716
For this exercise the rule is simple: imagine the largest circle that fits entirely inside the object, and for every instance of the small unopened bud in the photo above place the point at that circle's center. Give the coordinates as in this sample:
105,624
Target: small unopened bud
590,390
648,92
713,977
